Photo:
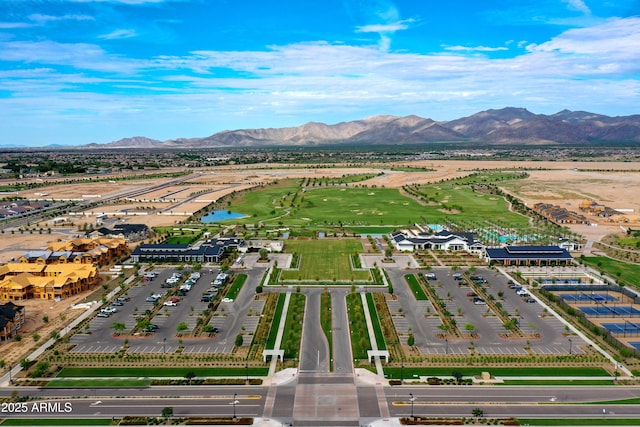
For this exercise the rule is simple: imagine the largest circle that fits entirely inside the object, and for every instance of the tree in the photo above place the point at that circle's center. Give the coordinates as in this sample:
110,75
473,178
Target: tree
457,375
411,340
264,253
190,376
470,327
388,252
118,327
477,412
239,340
167,412
182,326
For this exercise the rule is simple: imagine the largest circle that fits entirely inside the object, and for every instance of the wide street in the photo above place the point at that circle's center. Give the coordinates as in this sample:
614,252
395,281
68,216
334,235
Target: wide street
499,401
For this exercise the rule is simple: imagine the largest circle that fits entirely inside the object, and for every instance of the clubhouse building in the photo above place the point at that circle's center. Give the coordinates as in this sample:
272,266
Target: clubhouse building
529,255
210,251
409,241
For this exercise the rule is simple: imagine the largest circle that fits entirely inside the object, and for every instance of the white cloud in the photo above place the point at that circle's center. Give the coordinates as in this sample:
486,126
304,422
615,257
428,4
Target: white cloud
475,48
578,5
43,19
384,28
11,25
119,34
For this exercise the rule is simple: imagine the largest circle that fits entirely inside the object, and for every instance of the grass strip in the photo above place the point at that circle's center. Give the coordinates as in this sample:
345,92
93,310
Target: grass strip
293,327
98,383
416,289
57,422
557,382
326,321
360,340
158,372
275,323
377,329
578,421
632,401
236,286
499,371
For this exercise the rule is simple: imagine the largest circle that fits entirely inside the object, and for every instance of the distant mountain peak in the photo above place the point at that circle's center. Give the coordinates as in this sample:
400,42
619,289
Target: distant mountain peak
509,125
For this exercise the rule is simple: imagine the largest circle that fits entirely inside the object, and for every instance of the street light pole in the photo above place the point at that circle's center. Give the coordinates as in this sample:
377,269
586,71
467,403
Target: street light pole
164,346
411,399
246,366
446,343
402,372
570,342
234,405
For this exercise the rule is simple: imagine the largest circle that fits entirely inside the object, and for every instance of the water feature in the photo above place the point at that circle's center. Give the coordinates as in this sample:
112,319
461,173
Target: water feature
217,216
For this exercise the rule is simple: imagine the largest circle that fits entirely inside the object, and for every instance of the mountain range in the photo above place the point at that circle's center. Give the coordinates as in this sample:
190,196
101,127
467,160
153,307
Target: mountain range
507,126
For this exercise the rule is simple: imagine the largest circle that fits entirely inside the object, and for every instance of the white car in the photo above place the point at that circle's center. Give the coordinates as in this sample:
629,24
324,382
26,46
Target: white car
227,299
109,310
522,292
170,303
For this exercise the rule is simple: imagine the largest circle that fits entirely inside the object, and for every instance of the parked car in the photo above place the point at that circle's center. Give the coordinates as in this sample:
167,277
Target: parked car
530,300
175,299
206,298
123,299
170,303
109,310
117,303
430,276
472,294
227,299
103,314
151,299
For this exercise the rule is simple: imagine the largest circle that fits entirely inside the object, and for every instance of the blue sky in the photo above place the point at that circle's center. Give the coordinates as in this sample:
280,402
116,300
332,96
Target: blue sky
80,71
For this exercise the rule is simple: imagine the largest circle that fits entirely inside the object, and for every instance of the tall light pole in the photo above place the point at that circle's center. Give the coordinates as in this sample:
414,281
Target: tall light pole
234,404
446,343
164,346
411,399
570,342
402,372
246,367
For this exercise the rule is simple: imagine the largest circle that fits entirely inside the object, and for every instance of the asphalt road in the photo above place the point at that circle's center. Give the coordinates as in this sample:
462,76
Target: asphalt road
503,401
314,353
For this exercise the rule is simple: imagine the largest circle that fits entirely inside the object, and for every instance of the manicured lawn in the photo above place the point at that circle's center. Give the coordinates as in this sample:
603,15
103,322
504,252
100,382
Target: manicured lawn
500,372
579,421
236,286
416,289
372,230
264,203
326,260
359,334
275,323
357,207
58,422
293,328
159,372
98,383
377,329
626,273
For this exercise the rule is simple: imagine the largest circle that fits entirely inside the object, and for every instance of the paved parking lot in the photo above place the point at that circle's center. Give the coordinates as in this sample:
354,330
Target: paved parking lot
408,316
231,318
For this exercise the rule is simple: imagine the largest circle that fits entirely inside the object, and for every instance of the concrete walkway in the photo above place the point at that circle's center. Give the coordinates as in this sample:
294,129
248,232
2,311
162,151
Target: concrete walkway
372,336
283,321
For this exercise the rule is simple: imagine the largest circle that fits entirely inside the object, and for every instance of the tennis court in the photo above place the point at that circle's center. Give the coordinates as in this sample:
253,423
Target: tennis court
626,328
582,297
610,310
